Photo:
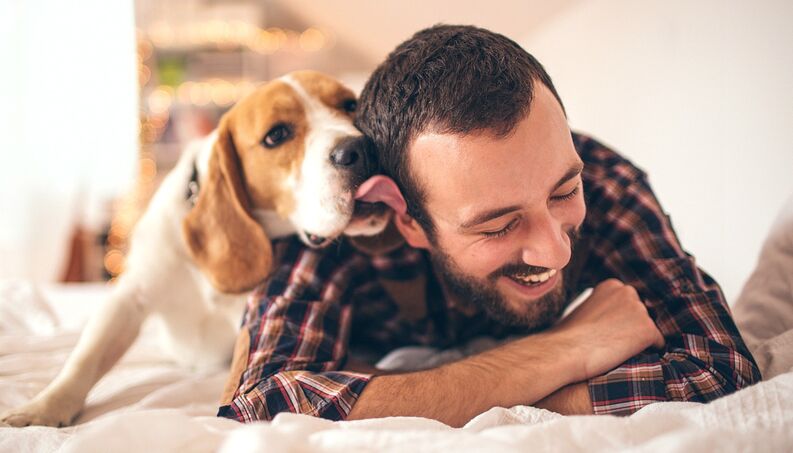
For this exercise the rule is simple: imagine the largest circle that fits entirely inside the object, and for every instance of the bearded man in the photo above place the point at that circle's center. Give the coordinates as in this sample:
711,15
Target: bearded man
507,216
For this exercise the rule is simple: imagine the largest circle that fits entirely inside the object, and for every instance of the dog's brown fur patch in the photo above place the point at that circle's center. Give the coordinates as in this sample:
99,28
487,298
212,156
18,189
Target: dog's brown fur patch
226,243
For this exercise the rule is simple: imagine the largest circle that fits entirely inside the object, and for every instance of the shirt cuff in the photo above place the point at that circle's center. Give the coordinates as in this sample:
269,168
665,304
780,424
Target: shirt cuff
629,387
329,395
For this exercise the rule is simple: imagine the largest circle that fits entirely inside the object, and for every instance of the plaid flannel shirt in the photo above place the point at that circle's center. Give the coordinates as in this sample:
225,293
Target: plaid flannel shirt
300,325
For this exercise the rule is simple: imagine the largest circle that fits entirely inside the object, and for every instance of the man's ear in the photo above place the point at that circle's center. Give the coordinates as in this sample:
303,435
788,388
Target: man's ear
413,233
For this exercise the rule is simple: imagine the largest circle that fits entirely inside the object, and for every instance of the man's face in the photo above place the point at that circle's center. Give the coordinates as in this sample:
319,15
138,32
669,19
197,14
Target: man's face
505,211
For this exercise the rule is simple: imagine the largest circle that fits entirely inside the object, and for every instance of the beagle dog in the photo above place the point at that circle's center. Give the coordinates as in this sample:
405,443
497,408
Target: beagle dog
284,160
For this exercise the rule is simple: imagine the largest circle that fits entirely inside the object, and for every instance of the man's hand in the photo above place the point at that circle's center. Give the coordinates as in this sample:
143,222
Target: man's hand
611,326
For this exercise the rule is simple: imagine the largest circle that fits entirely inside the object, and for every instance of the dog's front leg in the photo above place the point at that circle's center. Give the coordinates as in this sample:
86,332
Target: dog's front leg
105,339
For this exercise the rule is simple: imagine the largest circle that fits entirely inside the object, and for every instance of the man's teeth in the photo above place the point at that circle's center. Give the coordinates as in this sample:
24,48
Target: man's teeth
536,278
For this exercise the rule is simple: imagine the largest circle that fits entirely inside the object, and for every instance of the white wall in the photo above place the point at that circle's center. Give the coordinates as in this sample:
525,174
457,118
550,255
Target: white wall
697,93
68,123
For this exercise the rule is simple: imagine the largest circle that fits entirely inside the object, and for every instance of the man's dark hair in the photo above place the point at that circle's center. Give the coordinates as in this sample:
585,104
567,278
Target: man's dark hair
445,79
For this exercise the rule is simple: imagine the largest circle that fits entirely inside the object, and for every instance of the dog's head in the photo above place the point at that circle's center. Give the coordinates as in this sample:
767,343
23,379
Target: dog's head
290,148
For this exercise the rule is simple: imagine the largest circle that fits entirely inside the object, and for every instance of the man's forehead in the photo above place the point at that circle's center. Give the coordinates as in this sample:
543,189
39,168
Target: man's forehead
461,173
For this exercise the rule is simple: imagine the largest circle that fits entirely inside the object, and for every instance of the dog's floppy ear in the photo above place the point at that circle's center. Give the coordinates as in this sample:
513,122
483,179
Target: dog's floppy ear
226,243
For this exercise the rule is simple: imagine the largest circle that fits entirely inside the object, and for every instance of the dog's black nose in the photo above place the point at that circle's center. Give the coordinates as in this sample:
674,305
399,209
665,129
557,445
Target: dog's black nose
344,157
351,154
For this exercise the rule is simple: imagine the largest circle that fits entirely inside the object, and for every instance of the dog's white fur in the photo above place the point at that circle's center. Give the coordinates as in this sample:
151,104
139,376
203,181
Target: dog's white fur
200,323
317,211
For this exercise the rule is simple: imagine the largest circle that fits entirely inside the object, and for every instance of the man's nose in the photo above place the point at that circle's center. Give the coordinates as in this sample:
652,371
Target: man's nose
353,154
547,244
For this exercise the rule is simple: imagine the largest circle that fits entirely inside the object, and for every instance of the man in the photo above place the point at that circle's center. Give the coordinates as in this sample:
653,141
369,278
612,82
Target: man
507,217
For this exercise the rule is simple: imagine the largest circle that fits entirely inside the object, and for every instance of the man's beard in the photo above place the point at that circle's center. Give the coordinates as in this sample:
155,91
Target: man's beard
484,294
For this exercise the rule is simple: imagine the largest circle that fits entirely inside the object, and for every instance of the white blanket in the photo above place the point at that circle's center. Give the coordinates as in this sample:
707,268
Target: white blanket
148,404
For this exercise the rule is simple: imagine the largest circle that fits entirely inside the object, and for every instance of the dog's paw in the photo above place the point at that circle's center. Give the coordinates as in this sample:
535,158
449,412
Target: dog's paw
43,412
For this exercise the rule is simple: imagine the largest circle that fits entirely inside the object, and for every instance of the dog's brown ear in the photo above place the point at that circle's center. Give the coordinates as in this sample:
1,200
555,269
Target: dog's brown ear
386,241
226,243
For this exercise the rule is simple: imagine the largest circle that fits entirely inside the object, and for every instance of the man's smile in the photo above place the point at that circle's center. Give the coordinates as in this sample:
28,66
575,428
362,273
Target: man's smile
530,279
533,286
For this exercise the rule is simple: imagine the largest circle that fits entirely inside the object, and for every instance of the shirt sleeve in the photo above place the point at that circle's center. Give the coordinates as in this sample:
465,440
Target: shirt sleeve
632,240
293,344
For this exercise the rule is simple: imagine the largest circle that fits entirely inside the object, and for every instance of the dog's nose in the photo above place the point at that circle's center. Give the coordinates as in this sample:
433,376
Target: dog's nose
350,154
344,157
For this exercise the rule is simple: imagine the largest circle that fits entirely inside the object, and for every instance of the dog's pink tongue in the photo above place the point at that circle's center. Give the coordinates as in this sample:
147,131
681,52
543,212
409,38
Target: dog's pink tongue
384,190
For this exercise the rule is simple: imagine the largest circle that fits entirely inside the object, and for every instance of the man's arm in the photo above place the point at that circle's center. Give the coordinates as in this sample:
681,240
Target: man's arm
609,327
520,372
293,343
570,400
632,239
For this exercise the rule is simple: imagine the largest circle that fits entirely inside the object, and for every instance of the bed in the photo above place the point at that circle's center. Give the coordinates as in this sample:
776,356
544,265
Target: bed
148,404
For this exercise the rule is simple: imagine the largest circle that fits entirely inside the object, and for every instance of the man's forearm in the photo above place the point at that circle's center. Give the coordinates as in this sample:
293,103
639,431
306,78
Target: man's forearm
521,372
569,400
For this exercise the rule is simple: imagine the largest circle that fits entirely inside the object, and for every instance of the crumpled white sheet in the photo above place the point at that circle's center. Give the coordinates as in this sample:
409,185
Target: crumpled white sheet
133,398
25,310
756,419
148,404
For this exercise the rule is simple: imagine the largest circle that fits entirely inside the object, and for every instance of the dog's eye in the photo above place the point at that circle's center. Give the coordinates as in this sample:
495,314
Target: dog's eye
349,105
277,135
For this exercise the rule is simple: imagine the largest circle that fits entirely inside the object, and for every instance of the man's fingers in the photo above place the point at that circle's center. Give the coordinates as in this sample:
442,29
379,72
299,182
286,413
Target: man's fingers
609,285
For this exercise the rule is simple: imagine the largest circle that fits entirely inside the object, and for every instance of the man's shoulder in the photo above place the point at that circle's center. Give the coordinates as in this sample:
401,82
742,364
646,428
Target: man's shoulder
602,164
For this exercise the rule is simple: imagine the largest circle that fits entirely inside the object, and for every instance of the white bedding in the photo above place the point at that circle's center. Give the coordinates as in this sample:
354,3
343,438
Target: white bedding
148,404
